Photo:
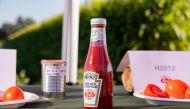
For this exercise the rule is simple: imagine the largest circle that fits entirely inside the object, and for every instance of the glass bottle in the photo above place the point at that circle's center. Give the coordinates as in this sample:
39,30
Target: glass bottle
98,73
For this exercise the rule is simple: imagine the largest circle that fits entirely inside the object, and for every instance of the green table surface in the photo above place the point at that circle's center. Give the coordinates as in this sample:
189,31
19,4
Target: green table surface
73,100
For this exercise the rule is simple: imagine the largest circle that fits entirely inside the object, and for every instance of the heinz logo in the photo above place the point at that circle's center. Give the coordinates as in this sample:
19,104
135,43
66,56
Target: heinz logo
90,76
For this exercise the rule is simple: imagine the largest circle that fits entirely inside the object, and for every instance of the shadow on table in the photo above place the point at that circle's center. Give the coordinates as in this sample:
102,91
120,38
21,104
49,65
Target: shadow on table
39,104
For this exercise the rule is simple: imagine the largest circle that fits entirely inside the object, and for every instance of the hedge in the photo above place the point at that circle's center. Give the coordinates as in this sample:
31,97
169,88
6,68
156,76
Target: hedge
132,25
36,43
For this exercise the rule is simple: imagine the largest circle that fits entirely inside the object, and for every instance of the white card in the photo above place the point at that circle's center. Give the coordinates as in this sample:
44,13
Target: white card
158,67
7,68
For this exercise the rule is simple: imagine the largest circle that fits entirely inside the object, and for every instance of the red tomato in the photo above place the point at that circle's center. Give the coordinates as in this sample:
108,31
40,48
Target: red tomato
162,95
152,90
187,93
13,93
1,100
176,89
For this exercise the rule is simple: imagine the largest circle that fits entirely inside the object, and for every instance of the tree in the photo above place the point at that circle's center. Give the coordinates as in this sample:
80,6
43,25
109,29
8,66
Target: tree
3,35
20,23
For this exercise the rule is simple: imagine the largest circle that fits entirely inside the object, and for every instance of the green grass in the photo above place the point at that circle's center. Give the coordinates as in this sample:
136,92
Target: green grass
80,76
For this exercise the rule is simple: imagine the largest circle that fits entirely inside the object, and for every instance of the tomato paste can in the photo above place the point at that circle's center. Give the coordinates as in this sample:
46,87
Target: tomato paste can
53,78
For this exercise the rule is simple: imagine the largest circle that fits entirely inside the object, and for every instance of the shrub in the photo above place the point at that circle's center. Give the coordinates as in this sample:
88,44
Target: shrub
36,43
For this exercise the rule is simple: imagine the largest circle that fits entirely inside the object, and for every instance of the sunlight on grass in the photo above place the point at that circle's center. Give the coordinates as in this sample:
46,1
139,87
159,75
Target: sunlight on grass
80,76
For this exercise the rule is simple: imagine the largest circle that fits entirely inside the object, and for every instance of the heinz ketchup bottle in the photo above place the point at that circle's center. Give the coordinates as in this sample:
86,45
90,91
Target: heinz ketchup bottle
98,73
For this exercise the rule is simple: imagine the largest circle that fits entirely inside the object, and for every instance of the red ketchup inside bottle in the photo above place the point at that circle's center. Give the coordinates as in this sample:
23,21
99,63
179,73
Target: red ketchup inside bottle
98,73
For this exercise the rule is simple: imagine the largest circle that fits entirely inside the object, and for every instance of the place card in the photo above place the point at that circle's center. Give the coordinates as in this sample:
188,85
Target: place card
156,67
7,68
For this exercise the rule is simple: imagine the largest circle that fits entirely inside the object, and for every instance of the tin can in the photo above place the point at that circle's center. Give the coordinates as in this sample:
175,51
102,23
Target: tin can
53,78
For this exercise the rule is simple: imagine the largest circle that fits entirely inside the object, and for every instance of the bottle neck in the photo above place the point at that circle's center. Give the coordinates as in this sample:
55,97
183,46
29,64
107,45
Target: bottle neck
98,35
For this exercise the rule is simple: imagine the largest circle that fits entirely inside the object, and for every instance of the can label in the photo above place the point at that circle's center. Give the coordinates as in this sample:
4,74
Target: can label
91,89
97,34
54,70
53,77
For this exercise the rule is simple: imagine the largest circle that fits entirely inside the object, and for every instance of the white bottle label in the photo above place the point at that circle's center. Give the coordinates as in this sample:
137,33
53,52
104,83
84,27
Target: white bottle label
97,34
91,89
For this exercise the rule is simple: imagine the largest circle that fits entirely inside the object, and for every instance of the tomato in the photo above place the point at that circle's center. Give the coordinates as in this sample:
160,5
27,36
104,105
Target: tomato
162,95
187,93
13,93
1,100
176,89
152,90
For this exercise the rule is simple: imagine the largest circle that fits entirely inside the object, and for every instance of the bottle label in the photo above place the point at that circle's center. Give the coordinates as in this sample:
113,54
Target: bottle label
97,34
91,89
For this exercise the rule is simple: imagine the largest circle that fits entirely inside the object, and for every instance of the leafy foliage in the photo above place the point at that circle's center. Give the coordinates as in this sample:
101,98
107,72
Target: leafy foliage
20,23
36,43
22,79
